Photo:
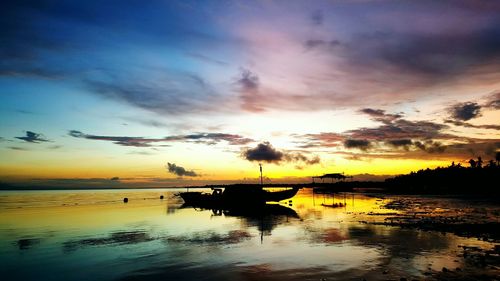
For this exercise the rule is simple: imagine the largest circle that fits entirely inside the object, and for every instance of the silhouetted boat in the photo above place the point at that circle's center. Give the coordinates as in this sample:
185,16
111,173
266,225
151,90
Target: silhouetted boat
237,195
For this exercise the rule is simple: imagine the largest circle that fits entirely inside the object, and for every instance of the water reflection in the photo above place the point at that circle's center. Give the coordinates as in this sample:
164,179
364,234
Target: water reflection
120,237
263,216
27,243
153,239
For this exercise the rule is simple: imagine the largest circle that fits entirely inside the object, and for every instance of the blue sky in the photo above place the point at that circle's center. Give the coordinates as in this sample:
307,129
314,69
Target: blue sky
380,87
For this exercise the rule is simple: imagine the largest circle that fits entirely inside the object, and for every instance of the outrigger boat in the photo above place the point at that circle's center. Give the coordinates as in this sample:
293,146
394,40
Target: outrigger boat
237,195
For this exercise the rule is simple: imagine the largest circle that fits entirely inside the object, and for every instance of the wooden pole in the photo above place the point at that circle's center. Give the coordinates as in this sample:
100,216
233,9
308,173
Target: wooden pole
261,182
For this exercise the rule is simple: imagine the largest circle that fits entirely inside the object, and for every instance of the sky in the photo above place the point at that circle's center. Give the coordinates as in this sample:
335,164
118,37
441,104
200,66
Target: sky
163,93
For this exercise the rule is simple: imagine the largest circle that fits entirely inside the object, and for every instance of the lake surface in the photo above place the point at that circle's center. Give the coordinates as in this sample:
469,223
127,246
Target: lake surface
93,235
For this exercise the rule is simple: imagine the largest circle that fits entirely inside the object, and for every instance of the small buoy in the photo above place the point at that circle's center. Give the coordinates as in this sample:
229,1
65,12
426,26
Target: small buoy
161,197
125,200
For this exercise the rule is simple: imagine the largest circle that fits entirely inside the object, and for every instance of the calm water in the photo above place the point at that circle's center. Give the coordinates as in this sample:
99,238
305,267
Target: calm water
93,235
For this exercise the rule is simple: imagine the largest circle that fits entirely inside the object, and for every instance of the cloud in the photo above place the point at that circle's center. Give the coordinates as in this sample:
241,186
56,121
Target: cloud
430,146
405,143
299,157
180,171
53,147
399,138
410,54
316,43
357,143
469,125
395,128
115,179
248,86
433,150
380,115
265,152
493,101
323,139
33,137
206,59
465,111
18,148
161,91
202,138
394,131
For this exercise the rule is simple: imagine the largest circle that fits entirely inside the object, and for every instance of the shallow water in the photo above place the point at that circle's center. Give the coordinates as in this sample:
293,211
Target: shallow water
93,235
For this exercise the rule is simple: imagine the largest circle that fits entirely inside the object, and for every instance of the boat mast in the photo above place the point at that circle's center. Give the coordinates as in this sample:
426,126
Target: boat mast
260,166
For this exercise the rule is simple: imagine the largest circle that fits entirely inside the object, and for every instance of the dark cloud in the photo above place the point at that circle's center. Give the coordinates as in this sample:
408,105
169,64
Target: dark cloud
430,146
357,143
435,150
405,143
33,137
414,137
125,141
380,115
401,129
115,179
465,111
395,131
265,152
395,128
180,171
202,138
248,80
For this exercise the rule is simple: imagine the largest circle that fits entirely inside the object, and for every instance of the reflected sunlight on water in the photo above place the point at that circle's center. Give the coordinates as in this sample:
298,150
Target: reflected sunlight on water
92,234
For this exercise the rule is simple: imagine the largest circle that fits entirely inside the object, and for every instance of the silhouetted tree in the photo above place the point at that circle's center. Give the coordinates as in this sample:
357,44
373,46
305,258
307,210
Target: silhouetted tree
454,179
497,157
479,163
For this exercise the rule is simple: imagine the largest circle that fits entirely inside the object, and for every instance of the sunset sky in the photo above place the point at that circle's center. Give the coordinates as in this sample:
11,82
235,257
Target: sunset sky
163,93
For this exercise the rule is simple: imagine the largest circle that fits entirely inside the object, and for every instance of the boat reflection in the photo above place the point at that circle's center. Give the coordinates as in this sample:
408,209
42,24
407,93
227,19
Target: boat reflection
265,217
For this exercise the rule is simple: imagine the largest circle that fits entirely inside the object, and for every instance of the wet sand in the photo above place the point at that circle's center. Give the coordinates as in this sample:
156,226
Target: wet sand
477,218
